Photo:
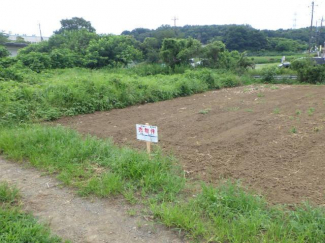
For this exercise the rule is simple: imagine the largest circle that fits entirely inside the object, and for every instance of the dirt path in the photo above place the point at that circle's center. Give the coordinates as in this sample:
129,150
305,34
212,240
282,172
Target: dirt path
269,137
78,219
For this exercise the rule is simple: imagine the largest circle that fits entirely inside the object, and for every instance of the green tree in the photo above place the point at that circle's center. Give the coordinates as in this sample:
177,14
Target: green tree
179,51
3,38
112,50
75,40
75,24
4,52
243,38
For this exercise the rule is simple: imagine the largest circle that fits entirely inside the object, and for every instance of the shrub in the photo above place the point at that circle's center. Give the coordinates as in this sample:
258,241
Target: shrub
308,71
35,61
4,52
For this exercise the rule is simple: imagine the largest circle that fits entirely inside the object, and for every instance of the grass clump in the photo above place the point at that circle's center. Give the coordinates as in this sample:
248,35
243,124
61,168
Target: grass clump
229,214
93,165
17,226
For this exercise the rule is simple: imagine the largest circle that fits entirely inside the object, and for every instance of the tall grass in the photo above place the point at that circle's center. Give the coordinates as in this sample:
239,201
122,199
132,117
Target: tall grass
57,93
93,165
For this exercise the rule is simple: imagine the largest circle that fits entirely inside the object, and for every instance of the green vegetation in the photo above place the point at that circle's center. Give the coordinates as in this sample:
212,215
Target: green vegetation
56,93
90,164
293,130
276,111
224,213
311,111
205,111
78,71
17,226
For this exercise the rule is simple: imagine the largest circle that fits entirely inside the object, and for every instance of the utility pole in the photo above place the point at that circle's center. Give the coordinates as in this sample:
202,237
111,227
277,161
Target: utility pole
40,31
175,19
311,25
294,26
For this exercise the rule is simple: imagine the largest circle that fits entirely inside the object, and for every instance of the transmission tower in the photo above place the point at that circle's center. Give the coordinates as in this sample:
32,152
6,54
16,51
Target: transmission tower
294,26
175,19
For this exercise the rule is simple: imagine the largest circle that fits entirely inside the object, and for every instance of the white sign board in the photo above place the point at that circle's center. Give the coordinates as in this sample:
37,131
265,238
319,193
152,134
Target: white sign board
147,133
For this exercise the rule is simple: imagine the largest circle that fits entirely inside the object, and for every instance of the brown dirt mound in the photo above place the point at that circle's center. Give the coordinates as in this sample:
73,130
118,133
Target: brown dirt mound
269,137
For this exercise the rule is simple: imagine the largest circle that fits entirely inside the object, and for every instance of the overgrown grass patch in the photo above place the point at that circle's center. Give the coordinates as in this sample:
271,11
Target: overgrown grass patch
55,93
17,226
92,165
230,214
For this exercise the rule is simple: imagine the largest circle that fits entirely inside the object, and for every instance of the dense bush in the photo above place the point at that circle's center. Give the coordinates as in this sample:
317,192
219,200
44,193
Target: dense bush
36,61
308,71
4,52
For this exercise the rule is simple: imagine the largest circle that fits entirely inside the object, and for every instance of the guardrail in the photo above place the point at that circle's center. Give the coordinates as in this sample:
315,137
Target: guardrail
279,77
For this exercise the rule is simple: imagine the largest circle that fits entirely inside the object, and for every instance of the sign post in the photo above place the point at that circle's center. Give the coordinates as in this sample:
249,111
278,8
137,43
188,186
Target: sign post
147,133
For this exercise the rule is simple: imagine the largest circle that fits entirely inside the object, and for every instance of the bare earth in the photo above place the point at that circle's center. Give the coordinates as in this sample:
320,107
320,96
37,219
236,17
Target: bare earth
78,219
269,137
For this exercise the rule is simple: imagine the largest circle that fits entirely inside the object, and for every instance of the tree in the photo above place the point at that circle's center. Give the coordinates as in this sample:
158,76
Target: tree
179,51
75,40
3,38
4,52
112,50
75,24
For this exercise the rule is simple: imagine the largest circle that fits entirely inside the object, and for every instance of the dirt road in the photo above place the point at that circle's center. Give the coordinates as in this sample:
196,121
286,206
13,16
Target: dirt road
269,137
79,219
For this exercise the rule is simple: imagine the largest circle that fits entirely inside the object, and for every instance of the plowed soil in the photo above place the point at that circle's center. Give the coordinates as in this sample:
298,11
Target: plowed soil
272,138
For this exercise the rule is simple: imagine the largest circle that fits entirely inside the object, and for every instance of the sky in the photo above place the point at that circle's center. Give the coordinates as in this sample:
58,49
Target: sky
114,16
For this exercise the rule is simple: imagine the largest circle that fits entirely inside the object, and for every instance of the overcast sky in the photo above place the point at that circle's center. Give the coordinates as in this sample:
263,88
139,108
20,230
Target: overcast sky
115,16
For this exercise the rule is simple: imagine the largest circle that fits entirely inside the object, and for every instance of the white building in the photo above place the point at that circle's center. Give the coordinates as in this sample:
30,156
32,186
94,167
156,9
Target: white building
29,38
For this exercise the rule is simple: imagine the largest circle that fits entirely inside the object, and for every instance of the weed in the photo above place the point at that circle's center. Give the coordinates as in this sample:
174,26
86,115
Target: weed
132,212
298,112
311,111
276,111
8,194
249,110
260,95
274,87
205,111
236,108
293,130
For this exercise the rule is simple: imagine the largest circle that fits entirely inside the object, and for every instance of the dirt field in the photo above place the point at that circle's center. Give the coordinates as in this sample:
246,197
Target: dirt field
269,137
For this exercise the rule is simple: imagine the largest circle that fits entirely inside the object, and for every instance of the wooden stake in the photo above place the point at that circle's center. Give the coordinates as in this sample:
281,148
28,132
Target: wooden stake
148,144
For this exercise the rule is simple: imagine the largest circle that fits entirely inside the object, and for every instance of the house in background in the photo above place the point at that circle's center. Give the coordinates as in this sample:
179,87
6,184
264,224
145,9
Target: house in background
21,41
13,47
28,38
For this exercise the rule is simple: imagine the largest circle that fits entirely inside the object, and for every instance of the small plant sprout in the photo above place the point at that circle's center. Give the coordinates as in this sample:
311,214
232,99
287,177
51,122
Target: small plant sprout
236,108
274,87
249,110
298,112
311,111
260,95
205,111
132,212
317,129
276,111
293,130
